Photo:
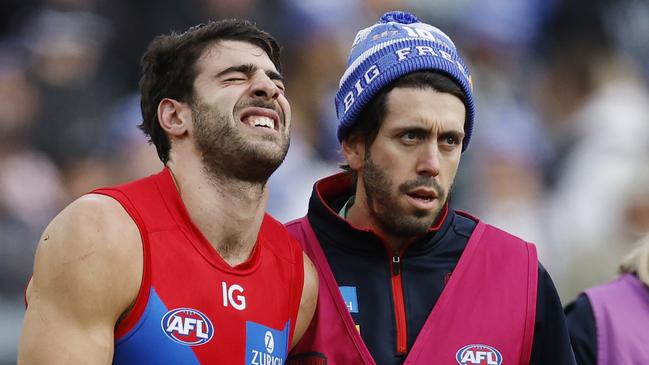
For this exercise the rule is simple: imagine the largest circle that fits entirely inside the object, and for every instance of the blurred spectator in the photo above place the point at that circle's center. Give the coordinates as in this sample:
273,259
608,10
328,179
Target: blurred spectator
609,323
510,152
596,105
31,189
122,154
12,12
135,24
636,213
66,47
314,62
628,22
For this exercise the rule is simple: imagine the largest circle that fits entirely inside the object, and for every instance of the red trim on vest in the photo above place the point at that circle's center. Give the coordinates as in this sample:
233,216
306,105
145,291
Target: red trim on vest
333,186
440,219
400,313
399,305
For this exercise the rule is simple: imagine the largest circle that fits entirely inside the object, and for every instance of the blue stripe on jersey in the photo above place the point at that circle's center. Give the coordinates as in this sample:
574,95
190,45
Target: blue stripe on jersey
147,343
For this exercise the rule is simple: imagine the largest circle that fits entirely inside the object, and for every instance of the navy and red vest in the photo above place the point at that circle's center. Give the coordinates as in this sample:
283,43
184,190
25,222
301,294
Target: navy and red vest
485,314
194,308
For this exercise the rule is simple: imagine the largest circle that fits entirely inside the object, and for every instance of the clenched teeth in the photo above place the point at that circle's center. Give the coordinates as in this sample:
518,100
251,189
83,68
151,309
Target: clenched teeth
260,121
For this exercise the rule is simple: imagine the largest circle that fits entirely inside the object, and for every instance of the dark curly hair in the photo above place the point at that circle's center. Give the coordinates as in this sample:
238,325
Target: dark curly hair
169,68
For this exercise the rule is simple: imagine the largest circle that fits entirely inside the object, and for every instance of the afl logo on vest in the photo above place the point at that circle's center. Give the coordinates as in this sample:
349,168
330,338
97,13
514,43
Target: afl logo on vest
478,355
187,326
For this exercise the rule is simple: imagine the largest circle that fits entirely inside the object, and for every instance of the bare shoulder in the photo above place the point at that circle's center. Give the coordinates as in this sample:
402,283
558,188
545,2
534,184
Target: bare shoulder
310,291
308,301
92,249
87,272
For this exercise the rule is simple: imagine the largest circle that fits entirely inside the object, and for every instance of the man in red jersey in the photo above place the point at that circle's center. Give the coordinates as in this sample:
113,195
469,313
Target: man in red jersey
182,267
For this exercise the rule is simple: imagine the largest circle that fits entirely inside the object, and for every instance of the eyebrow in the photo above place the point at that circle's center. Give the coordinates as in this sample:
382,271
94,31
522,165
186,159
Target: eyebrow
427,131
249,69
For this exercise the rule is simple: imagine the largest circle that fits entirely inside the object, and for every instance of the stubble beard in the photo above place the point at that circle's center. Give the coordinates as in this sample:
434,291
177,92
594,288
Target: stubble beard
225,152
383,203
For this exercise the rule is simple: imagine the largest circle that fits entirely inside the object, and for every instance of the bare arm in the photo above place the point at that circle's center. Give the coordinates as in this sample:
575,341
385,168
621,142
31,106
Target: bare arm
308,301
87,272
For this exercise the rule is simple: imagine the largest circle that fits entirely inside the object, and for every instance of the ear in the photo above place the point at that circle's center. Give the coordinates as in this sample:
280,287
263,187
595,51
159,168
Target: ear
174,116
354,151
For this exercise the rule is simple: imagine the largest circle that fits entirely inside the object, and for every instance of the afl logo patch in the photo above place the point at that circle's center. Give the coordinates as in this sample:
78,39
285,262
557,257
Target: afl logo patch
477,354
187,326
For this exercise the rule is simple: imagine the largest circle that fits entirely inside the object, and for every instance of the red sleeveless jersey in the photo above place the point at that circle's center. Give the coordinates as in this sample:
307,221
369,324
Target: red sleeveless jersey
192,307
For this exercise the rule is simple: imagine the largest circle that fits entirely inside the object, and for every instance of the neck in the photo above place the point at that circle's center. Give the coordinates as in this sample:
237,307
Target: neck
228,212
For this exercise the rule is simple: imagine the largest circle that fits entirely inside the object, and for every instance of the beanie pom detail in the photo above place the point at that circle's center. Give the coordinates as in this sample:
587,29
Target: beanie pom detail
398,17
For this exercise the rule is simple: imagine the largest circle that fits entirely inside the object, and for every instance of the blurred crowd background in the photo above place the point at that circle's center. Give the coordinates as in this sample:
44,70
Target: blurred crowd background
560,154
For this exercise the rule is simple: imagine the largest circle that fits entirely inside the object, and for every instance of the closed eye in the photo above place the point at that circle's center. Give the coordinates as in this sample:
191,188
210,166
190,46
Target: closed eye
235,78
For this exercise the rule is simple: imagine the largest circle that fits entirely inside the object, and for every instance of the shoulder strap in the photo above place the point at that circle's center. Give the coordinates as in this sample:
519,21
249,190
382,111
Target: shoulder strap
488,307
332,332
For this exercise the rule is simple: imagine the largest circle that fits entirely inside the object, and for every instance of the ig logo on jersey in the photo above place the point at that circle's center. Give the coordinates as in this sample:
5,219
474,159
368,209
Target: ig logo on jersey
187,326
478,355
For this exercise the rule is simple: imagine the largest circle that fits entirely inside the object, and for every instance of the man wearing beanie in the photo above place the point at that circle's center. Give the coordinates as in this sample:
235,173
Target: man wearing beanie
404,278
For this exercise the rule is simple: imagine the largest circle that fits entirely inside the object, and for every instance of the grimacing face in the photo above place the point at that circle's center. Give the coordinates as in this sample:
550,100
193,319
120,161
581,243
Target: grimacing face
409,169
241,116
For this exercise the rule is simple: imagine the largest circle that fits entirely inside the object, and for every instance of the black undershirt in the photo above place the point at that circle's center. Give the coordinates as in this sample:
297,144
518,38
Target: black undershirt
583,333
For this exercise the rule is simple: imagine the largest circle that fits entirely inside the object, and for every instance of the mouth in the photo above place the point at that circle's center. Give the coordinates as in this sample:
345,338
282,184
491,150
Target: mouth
260,118
423,194
422,198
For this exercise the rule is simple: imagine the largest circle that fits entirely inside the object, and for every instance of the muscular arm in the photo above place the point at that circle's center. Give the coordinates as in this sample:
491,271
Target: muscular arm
308,301
87,272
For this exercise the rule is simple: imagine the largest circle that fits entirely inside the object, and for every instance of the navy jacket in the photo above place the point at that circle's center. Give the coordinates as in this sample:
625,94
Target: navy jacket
583,333
363,265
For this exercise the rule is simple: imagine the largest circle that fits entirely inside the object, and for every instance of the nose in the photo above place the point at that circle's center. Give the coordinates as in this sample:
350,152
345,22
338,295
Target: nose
428,160
264,88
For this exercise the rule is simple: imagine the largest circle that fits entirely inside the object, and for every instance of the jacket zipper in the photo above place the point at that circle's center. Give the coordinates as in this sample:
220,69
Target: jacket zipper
399,305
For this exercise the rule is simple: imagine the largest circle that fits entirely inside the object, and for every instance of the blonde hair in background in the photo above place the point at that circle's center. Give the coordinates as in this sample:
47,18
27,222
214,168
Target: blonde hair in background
637,262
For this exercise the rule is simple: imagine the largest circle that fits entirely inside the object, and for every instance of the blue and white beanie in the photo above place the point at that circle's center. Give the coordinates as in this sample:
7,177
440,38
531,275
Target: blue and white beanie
397,45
